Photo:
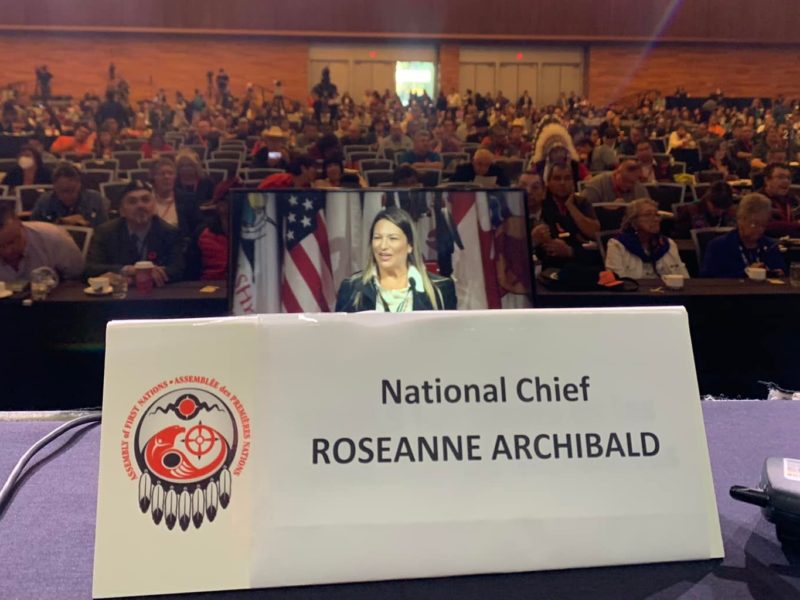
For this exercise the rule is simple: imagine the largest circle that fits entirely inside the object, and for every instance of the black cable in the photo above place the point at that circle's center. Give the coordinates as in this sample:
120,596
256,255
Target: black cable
13,480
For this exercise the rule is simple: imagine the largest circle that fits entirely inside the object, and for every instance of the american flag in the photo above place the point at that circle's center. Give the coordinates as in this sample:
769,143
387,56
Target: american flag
307,284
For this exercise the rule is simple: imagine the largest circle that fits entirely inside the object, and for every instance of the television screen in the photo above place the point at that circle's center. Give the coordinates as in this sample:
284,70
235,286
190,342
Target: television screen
292,249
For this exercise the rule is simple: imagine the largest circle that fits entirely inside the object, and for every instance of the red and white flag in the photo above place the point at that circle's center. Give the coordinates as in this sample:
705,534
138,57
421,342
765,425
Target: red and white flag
473,267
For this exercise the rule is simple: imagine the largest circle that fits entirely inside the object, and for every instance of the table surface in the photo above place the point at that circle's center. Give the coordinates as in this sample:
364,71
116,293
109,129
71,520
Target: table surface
47,531
692,287
73,291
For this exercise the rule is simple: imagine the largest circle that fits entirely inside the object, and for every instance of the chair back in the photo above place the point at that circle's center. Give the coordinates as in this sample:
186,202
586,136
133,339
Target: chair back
29,194
82,237
107,164
198,149
147,163
702,237
602,237
92,178
139,175
217,175
233,154
356,157
709,176
610,215
374,164
512,167
231,166
666,194
699,190
174,139
112,191
258,173
429,177
133,144
10,201
6,164
453,158
355,148
378,176
128,159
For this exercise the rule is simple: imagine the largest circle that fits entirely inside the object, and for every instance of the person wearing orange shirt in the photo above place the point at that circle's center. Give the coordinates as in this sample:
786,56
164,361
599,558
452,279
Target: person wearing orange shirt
81,142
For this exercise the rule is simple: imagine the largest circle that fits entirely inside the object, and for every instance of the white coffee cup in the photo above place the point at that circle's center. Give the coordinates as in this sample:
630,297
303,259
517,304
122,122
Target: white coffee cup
99,284
756,273
674,282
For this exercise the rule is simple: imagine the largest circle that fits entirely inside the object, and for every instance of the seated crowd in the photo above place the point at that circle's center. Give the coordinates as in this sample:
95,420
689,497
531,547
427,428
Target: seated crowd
591,176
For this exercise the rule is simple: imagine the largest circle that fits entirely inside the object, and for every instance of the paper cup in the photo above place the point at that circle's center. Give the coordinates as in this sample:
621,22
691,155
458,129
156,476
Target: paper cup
144,276
674,282
756,273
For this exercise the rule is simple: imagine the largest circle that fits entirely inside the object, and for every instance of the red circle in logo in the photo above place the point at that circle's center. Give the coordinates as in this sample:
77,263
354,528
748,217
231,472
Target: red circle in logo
187,406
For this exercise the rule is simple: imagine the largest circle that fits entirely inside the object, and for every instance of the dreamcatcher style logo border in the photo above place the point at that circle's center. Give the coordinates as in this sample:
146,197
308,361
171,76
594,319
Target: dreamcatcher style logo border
183,444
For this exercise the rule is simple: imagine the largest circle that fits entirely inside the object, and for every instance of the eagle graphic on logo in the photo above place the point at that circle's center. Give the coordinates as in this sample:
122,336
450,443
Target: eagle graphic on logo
184,446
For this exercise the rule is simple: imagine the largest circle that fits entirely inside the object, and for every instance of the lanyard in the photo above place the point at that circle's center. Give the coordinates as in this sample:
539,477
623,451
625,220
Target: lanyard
755,254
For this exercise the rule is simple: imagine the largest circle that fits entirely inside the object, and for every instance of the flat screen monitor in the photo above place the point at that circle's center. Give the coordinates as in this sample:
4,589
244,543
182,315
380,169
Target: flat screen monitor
292,249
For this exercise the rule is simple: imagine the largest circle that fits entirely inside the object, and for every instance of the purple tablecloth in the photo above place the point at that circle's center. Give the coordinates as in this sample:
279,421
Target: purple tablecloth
47,533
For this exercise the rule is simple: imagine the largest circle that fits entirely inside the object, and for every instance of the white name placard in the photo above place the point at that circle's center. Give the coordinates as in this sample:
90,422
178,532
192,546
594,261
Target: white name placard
301,449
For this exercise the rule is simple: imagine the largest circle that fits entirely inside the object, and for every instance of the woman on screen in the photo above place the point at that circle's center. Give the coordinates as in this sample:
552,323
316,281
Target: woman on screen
395,279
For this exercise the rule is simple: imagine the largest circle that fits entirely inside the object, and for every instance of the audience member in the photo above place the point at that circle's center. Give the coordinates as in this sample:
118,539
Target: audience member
29,170
483,170
405,176
81,142
421,156
629,146
337,176
302,173
639,251
137,235
740,152
106,144
569,220
603,156
621,185
69,203
32,244
535,192
271,150
680,139
177,207
396,140
777,188
652,170
153,147
714,209
192,178
207,258
746,246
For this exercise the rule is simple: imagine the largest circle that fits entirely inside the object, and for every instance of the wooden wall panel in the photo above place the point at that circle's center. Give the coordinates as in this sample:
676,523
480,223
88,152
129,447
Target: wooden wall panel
80,62
448,66
615,71
764,21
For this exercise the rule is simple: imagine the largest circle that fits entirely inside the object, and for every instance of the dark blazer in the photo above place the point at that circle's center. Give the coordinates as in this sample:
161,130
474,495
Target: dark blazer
189,216
723,257
203,193
354,296
112,248
466,172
